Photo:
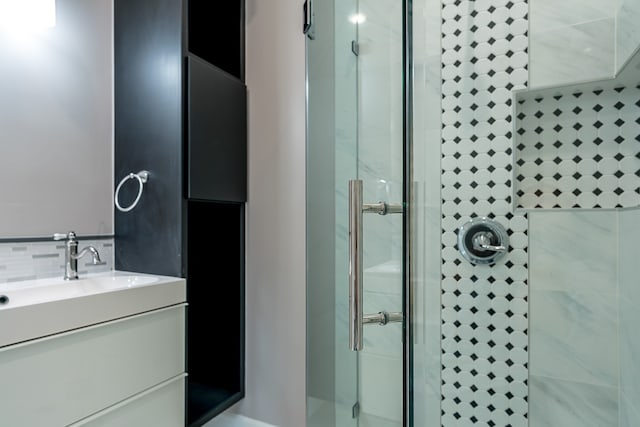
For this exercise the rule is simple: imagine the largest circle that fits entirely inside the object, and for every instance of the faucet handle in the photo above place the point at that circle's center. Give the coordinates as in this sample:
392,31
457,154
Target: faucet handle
64,236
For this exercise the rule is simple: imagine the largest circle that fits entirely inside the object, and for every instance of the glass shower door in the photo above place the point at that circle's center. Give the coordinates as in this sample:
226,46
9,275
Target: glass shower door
355,126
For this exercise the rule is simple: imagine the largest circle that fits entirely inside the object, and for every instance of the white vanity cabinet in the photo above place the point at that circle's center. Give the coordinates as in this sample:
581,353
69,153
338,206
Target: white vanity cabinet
119,373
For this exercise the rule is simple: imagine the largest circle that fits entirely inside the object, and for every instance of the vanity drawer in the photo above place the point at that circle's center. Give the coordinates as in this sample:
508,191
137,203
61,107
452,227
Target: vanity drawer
60,379
162,406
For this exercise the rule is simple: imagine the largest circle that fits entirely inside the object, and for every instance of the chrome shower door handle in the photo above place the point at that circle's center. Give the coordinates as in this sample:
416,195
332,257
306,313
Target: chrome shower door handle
356,315
355,265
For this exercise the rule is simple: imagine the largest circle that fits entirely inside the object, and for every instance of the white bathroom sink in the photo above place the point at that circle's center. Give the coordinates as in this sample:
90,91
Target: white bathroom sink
45,290
37,308
114,282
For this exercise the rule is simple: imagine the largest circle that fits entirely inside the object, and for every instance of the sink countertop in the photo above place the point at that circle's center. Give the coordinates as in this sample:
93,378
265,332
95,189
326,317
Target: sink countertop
38,308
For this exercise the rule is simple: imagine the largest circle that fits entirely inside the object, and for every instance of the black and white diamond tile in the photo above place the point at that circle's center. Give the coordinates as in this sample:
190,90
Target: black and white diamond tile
579,149
484,308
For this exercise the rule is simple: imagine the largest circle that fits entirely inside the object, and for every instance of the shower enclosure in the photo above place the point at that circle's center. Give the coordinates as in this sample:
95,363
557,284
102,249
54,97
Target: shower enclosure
509,112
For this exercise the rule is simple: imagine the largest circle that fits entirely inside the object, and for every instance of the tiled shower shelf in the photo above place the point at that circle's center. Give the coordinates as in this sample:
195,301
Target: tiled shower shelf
579,146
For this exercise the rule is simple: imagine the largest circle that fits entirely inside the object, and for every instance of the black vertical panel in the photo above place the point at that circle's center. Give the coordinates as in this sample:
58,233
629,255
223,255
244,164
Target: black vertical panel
148,133
217,133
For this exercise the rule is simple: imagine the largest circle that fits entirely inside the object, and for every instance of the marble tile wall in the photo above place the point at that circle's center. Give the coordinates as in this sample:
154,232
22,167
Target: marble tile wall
584,347
556,403
629,416
581,40
581,152
484,308
574,305
629,313
627,30
37,260
572,41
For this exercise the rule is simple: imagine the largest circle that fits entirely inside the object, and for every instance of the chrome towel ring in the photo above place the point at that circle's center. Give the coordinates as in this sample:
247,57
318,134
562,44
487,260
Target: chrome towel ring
142,177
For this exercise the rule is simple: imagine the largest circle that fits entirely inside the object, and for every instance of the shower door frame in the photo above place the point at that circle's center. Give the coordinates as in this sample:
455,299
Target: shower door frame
408,217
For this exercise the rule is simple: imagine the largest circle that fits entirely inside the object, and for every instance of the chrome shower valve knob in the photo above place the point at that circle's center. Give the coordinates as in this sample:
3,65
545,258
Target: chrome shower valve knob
482,241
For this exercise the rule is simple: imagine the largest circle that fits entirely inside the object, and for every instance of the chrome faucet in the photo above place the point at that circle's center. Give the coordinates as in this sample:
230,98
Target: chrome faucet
71,255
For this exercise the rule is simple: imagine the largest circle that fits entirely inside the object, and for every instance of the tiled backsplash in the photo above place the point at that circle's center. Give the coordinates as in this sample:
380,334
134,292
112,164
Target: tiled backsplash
578,149
37,260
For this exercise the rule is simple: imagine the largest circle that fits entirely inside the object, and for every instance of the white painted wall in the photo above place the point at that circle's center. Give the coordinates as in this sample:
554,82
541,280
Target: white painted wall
275,282
56,124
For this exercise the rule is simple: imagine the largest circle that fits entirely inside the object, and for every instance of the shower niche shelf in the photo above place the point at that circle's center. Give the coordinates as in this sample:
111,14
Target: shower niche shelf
578,146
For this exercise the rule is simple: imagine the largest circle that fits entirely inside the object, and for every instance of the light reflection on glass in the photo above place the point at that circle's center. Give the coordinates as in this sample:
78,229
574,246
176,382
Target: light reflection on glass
357,18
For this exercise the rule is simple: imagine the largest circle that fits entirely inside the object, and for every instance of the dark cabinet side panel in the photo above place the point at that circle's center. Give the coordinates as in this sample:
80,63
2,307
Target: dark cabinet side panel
217,134
148,133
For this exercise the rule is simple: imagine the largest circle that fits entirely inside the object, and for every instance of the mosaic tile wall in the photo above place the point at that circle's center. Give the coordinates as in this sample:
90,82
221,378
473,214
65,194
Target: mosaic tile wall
37,260
484,308
578,149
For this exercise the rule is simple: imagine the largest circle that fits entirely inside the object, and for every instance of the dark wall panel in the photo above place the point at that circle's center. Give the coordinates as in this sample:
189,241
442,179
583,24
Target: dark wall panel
148,133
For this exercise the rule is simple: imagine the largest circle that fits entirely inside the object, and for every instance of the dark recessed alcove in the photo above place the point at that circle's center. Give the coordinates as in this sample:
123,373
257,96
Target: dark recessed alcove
216,33
215,314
